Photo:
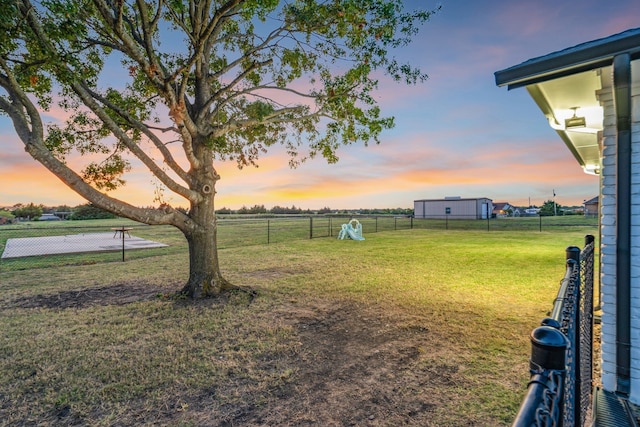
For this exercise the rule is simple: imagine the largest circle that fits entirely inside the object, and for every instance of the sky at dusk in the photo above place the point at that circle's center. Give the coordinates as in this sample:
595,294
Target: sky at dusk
457,134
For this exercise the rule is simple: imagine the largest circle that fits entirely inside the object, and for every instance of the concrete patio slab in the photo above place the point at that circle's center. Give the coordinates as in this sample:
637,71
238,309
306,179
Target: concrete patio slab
73,243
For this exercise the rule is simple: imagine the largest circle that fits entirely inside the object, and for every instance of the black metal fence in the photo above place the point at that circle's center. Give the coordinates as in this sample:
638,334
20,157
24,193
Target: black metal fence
246,231
560,389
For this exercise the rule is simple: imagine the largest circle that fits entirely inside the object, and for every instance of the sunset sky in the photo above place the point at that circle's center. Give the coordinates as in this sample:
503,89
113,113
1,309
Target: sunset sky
456,135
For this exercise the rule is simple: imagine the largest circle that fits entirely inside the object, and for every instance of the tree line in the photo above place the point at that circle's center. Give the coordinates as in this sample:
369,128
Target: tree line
33,212
293,210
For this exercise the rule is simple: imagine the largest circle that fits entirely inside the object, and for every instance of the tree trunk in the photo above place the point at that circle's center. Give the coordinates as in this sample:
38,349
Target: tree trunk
205,279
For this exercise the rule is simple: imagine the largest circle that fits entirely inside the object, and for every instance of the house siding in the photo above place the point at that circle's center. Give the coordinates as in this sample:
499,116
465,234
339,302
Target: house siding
608,241
635,237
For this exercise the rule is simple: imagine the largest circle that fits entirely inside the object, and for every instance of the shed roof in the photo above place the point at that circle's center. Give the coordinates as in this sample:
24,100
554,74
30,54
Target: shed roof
591,201
453,199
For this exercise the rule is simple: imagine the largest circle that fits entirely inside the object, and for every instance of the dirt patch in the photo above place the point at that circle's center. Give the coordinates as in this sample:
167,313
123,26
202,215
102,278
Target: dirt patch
117,294
355,365
359,366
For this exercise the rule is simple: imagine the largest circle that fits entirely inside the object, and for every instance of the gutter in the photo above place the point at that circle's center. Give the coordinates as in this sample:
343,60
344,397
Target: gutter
583,57
622,100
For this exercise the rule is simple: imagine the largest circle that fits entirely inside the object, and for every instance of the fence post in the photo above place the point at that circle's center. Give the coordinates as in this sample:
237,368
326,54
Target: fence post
545,394
548,346
310,227
268,231
573,252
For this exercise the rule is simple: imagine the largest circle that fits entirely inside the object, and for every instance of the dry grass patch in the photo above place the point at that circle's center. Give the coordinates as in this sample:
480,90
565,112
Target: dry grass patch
223,363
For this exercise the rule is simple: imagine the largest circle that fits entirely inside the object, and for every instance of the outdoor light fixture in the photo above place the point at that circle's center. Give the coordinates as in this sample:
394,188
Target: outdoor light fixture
591,169
575,121
567,119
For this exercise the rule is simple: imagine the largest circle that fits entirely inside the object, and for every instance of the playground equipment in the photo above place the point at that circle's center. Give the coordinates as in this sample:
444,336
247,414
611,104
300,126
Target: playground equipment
351,232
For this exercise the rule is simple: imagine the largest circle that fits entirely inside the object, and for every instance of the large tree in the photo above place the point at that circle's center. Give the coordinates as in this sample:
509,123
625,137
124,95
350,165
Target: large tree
549,208
179,86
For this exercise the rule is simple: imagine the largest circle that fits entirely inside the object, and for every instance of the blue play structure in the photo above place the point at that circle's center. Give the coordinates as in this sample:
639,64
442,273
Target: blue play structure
348,231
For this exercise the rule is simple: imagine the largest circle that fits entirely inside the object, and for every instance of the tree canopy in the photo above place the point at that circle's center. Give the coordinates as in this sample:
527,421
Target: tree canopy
176,86
30,211
548,208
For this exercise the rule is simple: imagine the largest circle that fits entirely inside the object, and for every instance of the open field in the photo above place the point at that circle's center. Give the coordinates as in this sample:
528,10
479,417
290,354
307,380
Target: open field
411,327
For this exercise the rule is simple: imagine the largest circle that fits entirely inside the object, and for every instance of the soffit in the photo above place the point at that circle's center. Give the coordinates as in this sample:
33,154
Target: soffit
569,96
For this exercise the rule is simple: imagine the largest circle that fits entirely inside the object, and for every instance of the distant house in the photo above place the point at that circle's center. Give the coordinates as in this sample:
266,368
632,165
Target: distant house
591,207
453,207
531,211
63,215
501,209
49,217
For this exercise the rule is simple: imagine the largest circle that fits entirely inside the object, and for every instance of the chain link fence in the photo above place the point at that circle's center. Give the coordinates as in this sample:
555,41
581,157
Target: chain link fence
561,363
53,239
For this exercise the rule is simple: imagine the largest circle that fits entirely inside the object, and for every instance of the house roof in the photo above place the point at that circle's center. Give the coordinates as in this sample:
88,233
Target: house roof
583,57
564,84
591,201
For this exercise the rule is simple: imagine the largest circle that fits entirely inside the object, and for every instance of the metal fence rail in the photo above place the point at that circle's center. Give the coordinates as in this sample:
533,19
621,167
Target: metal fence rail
258,230
559,392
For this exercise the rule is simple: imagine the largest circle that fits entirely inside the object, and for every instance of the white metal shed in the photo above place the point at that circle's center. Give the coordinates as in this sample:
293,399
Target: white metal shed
453,208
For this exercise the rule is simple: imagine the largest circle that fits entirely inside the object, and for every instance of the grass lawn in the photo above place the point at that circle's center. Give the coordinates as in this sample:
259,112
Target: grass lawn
412,327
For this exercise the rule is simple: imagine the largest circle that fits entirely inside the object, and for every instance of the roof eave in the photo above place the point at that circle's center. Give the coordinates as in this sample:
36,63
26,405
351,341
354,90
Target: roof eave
584,57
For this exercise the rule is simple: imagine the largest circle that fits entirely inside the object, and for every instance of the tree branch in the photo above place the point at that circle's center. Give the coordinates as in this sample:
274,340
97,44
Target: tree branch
87,97
136,124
